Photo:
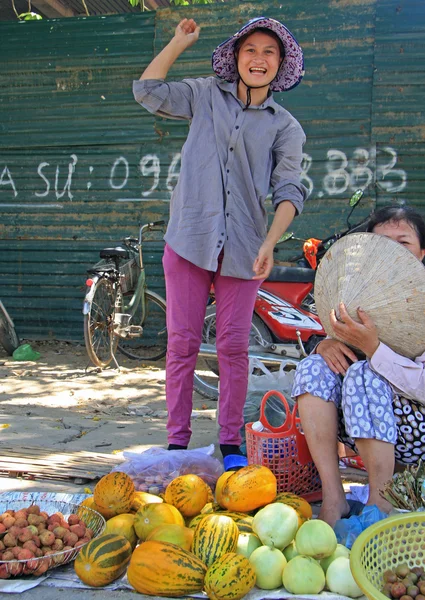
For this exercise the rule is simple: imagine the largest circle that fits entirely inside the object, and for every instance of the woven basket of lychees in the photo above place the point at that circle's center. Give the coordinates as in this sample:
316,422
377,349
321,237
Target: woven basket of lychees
38,537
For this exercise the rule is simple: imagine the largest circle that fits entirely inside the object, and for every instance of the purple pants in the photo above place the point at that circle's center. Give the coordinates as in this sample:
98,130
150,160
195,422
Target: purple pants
187,290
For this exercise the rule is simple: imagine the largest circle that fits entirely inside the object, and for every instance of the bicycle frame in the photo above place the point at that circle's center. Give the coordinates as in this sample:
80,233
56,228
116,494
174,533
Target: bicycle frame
8,336
138,296
6,315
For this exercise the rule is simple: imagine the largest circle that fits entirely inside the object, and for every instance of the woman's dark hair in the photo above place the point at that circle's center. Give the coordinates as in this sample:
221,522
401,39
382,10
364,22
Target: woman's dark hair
397,214
265,30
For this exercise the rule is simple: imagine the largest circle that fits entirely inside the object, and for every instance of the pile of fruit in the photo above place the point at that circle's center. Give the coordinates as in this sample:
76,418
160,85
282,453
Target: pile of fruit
403,582
189,540
34,540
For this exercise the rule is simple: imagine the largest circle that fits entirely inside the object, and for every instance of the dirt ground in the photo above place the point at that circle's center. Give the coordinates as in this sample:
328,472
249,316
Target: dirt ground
63,403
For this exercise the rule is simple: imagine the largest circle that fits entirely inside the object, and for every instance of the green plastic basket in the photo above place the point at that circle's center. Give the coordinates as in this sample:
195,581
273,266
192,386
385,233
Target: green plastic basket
396,540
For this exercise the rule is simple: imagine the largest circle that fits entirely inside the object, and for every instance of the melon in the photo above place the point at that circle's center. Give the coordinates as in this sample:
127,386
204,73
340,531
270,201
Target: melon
269,564
316,538
340,580
150,516
123,525
290,551
247,543
276,525
340,551
303,575
173,534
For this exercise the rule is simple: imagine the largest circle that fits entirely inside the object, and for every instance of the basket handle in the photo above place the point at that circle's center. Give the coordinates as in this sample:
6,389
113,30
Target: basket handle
291,426
288,424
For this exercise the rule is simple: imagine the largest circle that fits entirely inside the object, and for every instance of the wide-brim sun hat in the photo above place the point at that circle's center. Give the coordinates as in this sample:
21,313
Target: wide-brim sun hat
291,70
383,278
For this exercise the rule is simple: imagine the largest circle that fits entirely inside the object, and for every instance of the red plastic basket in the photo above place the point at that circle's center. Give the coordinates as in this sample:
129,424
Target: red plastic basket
285,452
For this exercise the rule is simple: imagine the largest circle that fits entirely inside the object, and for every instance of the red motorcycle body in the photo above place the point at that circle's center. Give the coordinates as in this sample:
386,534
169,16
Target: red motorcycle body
279,304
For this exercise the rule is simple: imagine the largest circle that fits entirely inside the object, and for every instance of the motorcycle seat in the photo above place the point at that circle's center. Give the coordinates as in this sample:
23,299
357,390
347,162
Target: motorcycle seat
291,275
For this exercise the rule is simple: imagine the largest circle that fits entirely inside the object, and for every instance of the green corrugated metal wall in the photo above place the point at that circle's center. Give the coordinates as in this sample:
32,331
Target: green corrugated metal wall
81,164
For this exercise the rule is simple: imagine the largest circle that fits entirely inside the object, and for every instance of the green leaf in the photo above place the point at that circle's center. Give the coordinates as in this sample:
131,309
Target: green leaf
30,16
134,3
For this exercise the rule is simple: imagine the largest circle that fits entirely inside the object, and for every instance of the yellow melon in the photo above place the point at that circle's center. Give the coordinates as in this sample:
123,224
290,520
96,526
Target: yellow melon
123,525
150,516
173,534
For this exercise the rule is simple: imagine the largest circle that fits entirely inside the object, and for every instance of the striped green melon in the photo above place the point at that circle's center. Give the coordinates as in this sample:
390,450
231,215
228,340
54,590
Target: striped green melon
214,536
188,493
230,577
114,492
236,516
194,522
163,569
245,525
103,559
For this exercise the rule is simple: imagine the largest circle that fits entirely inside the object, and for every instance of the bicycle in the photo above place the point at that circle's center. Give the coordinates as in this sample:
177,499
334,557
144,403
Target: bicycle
119,309
8,337
120,312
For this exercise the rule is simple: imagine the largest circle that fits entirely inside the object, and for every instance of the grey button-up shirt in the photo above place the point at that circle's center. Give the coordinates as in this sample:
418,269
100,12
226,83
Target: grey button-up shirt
229,162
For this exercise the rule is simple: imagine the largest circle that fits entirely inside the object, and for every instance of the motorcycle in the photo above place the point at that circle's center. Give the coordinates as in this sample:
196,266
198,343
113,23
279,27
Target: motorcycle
285,325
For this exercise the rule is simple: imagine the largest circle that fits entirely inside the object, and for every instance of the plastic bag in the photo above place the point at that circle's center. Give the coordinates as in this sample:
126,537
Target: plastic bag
347,530
280,380
153,469
260,384
25,352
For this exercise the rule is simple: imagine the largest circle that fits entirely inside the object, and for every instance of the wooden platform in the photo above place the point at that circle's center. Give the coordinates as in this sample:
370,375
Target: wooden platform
32,462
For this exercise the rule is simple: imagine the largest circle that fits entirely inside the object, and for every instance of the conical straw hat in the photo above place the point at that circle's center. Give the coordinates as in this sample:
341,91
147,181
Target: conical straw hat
383,278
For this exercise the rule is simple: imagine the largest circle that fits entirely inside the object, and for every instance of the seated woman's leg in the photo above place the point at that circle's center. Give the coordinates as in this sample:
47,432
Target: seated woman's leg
410,419
367,403
318,392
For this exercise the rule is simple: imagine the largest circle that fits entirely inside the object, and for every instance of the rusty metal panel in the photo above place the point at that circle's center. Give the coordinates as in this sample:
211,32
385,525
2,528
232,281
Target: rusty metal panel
398,120
72,138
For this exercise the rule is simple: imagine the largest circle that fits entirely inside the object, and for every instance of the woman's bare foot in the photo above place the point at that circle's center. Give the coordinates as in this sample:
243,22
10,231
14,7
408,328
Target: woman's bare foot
333,510
380,502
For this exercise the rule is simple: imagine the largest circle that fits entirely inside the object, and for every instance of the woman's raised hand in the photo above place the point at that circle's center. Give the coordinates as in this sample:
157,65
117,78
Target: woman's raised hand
363,335
187,32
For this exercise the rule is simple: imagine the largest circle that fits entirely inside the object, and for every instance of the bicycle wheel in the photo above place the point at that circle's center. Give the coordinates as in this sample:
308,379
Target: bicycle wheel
99,337
152,343
8,336
207,374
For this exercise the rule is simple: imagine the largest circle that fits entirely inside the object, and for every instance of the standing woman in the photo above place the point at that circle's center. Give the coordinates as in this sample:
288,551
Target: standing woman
240,144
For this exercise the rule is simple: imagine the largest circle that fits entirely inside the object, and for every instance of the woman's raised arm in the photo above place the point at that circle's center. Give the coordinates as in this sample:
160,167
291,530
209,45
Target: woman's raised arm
186,34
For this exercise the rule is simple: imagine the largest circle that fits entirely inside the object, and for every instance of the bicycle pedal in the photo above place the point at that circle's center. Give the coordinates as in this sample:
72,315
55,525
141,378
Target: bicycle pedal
134,331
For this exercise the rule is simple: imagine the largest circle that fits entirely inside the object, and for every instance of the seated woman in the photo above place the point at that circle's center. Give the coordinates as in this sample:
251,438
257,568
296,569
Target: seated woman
375,405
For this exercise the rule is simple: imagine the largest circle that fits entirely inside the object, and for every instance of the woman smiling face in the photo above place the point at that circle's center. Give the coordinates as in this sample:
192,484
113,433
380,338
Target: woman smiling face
403,233
259,59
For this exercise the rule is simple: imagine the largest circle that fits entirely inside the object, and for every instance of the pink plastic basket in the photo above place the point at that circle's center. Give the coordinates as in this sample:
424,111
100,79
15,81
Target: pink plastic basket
285,452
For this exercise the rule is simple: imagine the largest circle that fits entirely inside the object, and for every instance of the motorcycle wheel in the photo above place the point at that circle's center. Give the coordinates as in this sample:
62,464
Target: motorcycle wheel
207,375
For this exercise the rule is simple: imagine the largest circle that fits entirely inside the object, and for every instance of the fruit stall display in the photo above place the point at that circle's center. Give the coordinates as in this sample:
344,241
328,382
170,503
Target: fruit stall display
189,540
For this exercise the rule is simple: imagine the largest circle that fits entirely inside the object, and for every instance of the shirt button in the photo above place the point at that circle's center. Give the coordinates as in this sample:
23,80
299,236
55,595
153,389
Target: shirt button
231,149
237,127
228,192
221,234
227,214
227,171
